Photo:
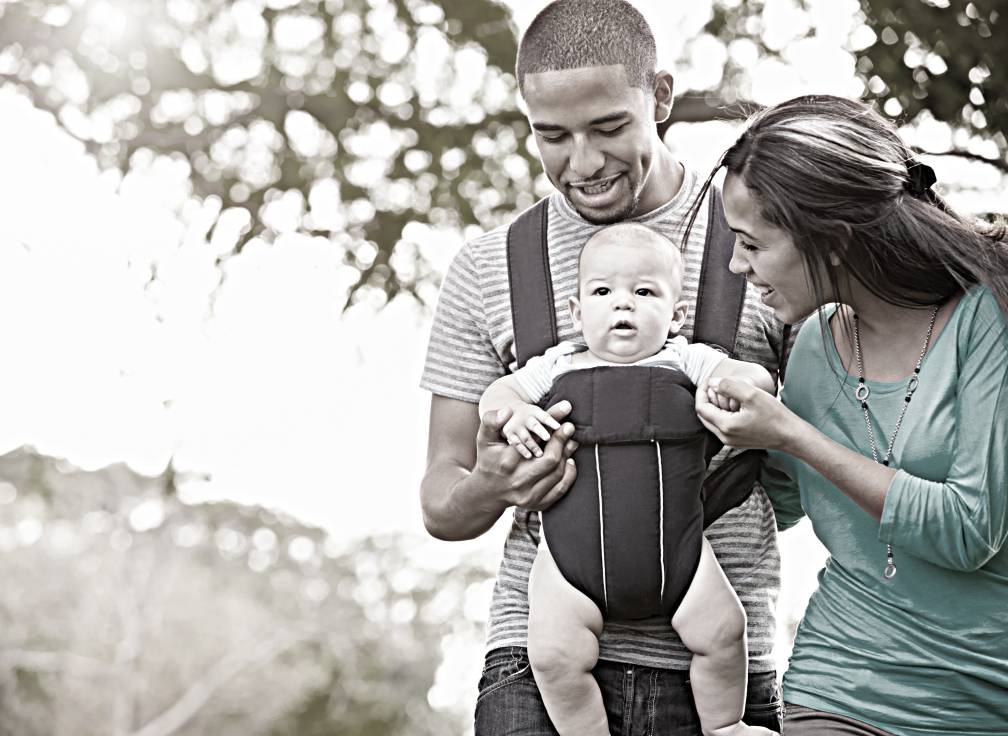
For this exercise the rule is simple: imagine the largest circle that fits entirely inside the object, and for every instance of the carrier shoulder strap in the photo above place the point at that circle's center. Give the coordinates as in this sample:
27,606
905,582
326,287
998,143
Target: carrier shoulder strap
720,293
533,313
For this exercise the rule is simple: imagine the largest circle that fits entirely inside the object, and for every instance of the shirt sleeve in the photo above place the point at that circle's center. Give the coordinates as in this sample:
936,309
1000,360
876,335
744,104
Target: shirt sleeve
961,522
699,361
777,479
461,360
536,376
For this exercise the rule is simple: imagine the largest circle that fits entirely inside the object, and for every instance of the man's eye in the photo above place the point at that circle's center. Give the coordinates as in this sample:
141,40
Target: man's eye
555,138
601,291
613,131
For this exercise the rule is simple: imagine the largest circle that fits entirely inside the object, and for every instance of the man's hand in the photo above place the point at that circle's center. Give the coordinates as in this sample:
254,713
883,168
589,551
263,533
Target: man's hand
537,482
473,475
527,423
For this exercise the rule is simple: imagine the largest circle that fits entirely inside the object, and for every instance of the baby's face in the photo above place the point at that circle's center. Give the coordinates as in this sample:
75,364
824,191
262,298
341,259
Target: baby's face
628,295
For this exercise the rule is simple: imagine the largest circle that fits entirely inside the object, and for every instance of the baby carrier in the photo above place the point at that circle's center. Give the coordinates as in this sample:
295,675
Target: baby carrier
628,532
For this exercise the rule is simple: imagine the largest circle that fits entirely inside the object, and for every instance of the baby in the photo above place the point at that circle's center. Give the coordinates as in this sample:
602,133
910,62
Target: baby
628,311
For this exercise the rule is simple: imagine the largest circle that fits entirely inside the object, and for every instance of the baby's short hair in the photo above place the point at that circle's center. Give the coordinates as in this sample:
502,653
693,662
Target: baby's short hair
635,231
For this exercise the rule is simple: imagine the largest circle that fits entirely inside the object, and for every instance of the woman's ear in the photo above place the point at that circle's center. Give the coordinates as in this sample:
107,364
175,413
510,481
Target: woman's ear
837,252
575,312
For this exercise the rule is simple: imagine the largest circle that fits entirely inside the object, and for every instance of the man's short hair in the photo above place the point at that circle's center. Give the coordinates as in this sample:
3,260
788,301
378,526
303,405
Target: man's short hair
575,34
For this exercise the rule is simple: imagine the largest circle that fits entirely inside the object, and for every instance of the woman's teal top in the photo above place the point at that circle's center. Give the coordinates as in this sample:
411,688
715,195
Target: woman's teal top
927,651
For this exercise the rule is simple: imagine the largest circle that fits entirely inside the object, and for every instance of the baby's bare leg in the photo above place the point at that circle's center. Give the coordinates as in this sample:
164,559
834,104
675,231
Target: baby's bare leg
563,631
712,623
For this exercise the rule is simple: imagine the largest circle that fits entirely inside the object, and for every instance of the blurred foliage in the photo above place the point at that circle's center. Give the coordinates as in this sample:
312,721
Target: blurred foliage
948,61
944,58
322,106
383,126
127,612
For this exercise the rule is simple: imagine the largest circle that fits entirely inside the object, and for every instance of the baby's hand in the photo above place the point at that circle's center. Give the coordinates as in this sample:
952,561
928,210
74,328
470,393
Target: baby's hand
527,422
724,402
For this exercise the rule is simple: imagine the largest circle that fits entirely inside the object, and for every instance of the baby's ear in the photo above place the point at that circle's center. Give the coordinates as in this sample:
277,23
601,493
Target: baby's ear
679,317
575,312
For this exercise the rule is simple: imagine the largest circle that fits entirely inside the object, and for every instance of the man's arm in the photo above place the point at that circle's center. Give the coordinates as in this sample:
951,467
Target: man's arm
473,475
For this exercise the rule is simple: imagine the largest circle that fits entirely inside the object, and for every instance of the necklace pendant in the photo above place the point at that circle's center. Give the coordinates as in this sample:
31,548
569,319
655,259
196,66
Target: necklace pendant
862,392
890,571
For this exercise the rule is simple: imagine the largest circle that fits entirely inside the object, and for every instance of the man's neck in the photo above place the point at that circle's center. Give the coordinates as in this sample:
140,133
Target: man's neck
664,180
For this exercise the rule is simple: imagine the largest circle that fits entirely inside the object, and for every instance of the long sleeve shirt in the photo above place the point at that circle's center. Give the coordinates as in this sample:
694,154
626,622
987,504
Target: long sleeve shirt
927,651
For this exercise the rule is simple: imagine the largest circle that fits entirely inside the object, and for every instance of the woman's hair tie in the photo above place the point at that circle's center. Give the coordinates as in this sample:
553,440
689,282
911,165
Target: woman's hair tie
920,178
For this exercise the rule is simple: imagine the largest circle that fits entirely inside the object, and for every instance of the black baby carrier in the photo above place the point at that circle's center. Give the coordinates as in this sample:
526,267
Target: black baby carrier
628,532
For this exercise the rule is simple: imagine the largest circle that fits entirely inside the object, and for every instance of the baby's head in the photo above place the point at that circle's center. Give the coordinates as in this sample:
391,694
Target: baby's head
629,284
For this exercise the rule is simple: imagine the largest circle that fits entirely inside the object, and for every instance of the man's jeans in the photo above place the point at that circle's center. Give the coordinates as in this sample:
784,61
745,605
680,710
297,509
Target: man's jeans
640,701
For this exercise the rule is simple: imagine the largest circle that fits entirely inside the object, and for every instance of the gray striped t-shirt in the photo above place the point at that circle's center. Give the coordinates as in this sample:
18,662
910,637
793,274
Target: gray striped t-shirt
470,345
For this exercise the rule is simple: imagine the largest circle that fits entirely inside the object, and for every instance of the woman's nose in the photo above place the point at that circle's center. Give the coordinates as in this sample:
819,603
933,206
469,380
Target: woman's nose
738,263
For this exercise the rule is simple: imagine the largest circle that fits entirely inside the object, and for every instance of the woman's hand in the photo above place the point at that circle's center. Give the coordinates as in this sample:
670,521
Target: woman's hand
753,418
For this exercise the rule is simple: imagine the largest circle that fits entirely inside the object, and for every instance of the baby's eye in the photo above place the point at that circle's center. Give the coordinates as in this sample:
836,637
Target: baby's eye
643,291
601,290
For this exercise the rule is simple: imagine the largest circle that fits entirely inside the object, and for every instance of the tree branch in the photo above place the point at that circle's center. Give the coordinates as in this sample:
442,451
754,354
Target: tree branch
37,661
997,163
200,692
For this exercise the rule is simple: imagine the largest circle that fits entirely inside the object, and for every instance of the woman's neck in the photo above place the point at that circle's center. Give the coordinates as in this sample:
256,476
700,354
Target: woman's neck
891,337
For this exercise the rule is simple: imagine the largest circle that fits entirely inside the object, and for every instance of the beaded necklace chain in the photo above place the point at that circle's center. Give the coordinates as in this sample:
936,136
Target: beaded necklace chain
861,394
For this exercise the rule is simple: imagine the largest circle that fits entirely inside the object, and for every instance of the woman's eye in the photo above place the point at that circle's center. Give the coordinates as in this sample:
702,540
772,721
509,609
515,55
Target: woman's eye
745,246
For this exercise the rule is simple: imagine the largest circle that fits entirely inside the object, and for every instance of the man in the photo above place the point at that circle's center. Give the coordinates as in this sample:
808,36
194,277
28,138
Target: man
586,70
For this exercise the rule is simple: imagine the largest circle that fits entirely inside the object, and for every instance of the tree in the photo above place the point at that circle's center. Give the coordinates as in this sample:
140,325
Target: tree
356,119
940,58
127,612
379,124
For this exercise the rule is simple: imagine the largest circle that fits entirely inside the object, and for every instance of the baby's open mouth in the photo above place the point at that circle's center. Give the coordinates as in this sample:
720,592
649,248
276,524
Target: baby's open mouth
623,326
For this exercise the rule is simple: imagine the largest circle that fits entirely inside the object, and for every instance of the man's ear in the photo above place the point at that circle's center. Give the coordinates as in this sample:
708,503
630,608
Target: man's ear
575,311
679,317
663,86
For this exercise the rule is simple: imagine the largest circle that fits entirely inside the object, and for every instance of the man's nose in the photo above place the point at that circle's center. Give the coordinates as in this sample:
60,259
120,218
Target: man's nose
585,159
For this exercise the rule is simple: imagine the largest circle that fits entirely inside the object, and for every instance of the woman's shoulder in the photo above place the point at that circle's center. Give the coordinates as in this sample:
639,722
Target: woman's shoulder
979,316
814,327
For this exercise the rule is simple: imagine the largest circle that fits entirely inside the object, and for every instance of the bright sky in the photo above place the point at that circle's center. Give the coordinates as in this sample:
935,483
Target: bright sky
266,389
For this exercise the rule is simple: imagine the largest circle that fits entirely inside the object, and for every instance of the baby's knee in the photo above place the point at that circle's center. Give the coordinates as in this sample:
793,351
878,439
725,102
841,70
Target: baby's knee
558,653
719,629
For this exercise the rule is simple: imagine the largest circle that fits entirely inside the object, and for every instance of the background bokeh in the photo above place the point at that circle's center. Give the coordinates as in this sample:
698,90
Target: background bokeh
222,229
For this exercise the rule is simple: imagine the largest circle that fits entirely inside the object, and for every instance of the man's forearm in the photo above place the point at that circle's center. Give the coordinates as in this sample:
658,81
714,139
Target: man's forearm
453,509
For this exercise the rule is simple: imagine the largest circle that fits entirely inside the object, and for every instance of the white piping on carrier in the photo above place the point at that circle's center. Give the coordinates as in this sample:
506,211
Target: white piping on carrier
598,477
661,519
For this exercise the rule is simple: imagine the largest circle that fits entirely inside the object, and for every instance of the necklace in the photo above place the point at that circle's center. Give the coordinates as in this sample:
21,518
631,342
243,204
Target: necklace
861,394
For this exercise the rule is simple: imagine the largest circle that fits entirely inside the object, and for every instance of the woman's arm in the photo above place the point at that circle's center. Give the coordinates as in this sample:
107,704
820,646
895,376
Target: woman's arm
962,521
763,421
959,522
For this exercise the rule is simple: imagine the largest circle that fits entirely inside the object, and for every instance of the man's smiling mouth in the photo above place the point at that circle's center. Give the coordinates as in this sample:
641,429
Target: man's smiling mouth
595,186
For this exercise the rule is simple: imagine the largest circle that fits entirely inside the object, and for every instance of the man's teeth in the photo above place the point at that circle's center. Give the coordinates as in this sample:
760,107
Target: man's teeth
597,188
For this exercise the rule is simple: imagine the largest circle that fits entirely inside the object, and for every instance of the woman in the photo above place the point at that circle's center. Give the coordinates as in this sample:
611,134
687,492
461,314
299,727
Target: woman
892,430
